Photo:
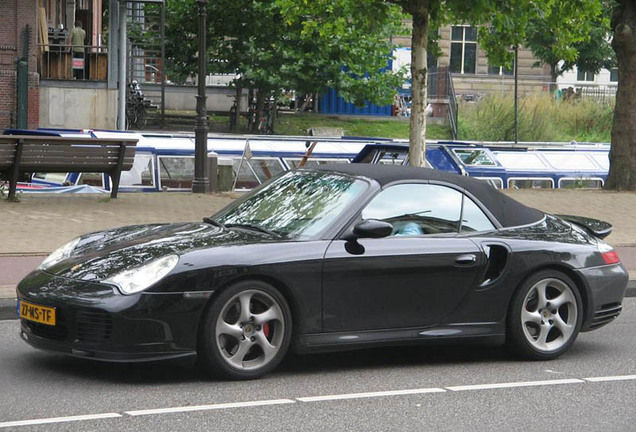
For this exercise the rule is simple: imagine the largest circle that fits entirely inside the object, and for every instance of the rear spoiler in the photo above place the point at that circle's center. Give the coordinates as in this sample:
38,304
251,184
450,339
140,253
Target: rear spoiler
597,227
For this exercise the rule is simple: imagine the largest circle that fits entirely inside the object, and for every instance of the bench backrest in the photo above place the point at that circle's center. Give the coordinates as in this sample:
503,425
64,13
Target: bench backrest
62,154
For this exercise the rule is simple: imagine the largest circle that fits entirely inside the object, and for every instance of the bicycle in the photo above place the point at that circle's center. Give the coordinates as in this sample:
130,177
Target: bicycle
136,115
265,123
136,104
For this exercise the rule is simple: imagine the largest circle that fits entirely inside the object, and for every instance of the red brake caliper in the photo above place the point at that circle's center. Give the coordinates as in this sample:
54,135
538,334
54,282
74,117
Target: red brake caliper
267,330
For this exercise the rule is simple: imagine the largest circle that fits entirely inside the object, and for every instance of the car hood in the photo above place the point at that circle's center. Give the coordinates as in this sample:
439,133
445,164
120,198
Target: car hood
103,254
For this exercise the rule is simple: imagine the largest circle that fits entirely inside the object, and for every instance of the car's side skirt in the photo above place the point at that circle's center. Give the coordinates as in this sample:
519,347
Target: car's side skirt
461,333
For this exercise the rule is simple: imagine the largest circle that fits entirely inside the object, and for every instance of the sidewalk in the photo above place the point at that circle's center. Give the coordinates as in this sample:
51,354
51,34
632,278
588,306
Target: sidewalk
39,224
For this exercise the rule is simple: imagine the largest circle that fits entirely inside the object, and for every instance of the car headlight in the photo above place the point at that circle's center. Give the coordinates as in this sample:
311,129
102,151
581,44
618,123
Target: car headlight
138,279
59,254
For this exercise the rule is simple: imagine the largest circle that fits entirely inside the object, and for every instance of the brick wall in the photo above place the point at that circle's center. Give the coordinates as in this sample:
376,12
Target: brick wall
16,14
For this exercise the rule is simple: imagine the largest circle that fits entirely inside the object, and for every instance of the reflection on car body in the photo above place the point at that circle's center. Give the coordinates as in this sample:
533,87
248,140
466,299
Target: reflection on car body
320,259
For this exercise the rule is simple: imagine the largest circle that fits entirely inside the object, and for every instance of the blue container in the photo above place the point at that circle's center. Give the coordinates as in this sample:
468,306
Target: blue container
331,103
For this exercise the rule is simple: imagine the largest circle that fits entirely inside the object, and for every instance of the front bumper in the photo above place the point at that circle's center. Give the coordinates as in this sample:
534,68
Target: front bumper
605,290
95,321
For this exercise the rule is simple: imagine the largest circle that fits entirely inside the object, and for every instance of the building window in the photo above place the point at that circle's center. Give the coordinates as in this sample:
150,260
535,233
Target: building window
463,55
584,76
614,74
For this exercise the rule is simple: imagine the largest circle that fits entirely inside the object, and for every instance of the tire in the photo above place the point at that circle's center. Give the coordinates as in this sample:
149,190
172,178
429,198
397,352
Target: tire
239,342
142,118
131,118
545,316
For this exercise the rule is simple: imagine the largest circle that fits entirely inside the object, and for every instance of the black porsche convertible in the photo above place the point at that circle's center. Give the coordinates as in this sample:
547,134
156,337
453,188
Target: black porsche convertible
333,258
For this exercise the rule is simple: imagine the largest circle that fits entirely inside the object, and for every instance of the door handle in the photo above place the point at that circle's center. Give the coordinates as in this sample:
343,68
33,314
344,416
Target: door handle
466,260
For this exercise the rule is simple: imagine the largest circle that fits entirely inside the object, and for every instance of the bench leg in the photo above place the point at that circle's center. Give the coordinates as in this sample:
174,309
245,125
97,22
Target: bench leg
115,175
12,187
114,183
15,172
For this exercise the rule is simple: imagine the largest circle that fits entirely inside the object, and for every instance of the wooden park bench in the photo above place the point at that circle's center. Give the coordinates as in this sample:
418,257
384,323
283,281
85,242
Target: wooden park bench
20,154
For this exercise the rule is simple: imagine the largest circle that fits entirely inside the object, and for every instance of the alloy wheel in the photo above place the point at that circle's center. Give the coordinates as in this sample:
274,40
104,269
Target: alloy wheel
549,315
250,330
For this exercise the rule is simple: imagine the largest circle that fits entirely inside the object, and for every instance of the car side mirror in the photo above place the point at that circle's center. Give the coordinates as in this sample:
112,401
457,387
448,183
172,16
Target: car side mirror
369,228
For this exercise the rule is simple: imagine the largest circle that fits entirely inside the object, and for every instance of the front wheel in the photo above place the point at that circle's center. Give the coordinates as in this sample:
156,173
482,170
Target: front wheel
545,316
246,331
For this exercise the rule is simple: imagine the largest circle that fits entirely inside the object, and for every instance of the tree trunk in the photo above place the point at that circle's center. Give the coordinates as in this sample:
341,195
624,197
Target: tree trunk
273,110
260,109
417,150
306,99
622,173
237,96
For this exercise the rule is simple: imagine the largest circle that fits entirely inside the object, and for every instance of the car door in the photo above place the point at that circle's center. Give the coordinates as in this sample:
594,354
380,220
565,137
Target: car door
413,278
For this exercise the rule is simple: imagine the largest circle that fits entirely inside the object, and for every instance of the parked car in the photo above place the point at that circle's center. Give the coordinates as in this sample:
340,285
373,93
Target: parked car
338,257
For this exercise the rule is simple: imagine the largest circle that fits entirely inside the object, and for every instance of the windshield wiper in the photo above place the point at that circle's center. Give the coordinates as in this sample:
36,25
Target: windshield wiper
213,222
255,228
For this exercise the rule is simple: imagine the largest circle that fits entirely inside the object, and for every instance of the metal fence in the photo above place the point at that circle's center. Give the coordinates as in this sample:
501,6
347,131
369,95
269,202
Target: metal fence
63,62
601,93
471,88
453,109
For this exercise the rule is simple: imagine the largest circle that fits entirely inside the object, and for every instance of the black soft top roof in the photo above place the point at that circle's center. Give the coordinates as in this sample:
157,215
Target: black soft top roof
506,210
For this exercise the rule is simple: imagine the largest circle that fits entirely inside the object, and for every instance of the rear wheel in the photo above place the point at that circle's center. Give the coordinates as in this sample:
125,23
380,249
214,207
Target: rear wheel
246,331
545,316
142,118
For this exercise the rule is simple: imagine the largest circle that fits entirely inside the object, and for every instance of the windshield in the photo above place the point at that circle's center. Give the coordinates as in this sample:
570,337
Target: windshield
298,205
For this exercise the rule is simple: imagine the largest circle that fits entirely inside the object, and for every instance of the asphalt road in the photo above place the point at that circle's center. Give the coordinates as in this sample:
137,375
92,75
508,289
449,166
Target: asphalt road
592,387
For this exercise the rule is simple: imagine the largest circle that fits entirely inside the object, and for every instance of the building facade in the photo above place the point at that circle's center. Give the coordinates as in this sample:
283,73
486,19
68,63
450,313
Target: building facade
18,33
472,74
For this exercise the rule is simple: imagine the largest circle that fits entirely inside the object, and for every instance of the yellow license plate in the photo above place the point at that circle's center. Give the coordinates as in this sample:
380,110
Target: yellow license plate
40,314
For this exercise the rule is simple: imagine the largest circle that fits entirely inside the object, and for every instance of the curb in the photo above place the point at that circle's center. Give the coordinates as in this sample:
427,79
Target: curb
8,306
8,309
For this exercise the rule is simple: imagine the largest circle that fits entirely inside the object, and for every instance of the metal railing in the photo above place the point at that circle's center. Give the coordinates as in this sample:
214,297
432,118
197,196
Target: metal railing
471,88
602,93
453,108
63,62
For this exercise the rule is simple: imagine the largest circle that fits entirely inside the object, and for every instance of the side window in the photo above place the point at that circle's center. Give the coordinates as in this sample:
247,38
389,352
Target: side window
416,209
473,219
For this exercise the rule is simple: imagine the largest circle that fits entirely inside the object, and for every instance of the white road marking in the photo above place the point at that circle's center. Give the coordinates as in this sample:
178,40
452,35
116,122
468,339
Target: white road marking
210,407
318,399
611,378
370,394
514,384
59,420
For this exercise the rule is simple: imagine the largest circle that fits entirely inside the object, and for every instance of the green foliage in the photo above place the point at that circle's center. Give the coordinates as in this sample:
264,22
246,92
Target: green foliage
596,53
560,33
541,118
283,44
345,46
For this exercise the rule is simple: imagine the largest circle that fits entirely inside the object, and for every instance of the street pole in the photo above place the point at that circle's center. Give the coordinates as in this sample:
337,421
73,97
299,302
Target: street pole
163,65
516,94
201,183
121,119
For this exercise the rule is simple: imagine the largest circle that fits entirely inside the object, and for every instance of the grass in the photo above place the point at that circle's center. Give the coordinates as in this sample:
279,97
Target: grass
384,127
298,124
541,118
